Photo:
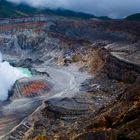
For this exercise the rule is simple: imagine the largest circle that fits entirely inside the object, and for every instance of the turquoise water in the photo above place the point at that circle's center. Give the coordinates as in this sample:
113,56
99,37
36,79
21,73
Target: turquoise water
25,71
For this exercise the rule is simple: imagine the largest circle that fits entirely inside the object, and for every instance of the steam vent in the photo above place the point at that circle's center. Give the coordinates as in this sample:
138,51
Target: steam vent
67,75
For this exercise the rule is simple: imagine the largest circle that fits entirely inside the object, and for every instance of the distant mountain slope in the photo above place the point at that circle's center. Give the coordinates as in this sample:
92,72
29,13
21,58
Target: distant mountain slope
135,17
11,10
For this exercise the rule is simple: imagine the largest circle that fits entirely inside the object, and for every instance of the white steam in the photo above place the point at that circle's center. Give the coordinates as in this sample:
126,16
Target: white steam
8,76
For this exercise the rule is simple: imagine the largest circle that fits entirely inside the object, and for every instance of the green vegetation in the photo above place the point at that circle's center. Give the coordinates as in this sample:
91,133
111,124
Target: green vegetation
11,10
135,17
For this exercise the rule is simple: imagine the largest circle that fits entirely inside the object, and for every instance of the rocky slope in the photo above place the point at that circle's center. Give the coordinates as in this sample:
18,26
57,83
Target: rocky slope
107,104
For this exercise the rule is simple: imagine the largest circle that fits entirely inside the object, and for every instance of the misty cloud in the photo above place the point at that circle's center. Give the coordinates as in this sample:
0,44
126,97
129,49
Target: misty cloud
112,8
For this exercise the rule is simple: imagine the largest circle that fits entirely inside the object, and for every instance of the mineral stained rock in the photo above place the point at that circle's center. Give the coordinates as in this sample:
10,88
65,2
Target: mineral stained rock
29,88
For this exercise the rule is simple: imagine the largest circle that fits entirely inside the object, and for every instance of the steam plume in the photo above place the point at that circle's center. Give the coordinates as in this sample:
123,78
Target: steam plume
8,76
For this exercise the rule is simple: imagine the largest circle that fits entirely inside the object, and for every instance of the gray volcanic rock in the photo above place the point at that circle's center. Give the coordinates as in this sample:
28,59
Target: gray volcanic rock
97,94
123,63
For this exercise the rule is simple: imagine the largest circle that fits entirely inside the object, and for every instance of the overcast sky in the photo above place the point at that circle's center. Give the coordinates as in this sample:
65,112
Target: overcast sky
112,8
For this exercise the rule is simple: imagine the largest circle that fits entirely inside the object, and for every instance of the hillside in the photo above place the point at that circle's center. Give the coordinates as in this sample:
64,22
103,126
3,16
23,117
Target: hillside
11,10
134,17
